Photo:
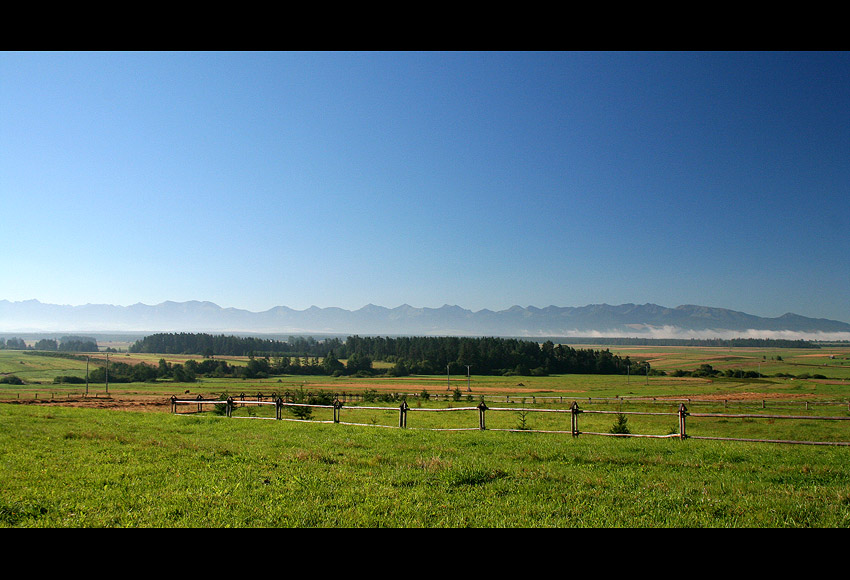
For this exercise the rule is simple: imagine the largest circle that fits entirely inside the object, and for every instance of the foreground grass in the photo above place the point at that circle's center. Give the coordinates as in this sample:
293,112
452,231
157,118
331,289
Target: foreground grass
63,467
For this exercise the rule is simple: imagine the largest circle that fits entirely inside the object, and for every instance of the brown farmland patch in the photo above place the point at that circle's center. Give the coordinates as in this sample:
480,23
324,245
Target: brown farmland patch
747,396
121,403
401,387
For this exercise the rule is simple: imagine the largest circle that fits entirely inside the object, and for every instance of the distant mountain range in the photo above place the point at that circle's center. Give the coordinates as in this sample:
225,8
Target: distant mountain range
625,320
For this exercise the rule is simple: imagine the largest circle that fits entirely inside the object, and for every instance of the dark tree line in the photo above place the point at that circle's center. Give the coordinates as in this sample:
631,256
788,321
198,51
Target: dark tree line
191,370
13,343
221,345
410,355
64,344
487,356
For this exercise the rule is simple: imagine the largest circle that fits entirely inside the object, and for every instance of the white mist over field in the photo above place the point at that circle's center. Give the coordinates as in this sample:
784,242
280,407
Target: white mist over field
683,333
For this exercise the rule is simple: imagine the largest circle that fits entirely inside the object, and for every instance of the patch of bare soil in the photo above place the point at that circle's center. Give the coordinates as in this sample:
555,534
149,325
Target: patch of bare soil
402,388
123,403
746,396
161,404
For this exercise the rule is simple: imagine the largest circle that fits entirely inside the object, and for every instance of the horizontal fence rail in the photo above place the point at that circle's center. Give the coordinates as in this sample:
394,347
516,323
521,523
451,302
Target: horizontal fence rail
682,415
763,403
447,396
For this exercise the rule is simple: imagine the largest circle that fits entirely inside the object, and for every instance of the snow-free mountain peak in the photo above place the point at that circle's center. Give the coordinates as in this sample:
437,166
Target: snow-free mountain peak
627,320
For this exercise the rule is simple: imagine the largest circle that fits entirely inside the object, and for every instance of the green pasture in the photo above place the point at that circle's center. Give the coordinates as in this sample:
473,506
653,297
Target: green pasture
38,369
83,467
831,361
38,373
564,388
66,467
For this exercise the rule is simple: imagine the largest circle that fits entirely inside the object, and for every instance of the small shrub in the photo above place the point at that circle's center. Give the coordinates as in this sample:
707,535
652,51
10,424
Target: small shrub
320,398
221,408
301,396
70,380
523,421
620,426
388,397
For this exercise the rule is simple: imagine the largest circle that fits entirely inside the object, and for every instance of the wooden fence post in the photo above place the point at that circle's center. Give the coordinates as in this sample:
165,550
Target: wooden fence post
229,406
402,414
199,398
174,404
481,409
683,412
278,407
574,418
337,407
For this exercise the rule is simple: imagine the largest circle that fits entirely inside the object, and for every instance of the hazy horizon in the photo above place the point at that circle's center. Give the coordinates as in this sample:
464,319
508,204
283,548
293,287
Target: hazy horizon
393,307
590,321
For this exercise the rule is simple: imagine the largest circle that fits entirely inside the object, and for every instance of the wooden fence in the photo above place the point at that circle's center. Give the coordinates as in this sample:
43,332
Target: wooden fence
682,415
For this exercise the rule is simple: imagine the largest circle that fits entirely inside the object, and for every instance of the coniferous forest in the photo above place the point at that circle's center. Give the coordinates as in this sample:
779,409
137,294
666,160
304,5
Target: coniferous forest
409,355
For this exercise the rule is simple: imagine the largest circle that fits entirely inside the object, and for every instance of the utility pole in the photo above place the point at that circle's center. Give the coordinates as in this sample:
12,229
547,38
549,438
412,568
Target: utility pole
468,388
107,373
448,379
87,376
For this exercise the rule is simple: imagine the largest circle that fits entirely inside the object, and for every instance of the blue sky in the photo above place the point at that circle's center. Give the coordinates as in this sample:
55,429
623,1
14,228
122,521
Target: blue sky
479,179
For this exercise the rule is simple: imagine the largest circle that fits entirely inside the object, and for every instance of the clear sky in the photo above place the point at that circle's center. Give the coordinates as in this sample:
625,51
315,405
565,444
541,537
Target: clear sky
484,180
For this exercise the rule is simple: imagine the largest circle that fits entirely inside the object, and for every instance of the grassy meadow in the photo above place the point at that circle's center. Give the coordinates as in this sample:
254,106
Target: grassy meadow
83,466
64,467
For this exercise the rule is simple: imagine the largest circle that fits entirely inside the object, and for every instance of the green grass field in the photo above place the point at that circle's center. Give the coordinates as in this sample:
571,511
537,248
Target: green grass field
88,467
64,467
